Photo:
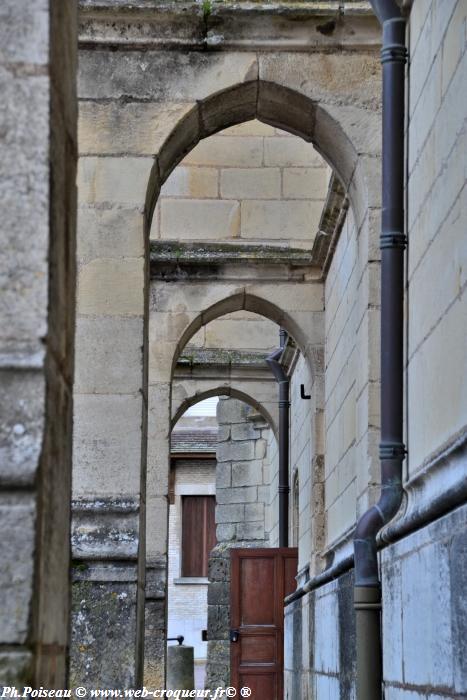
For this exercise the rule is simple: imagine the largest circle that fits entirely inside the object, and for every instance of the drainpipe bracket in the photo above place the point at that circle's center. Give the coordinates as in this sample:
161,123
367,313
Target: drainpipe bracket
394,53
393,239
392,450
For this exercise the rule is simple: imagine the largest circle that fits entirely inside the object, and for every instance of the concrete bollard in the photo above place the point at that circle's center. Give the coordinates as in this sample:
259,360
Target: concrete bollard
180,667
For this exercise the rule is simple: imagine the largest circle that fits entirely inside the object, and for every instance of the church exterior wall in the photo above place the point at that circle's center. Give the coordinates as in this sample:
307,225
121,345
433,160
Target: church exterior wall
423,551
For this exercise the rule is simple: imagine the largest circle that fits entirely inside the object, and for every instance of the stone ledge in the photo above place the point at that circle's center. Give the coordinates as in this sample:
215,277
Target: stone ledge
202,357
218,25
178,252
105,529
176,260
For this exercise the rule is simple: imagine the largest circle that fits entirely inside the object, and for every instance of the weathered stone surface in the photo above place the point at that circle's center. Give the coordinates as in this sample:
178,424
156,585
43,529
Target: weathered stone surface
37,283
230,513
274,220
218,621
226,532
238,104
132,128
199,219
252,183
306,183
244,450
458,580
218,593
117,180
15,668
251,531
219,567
23,33
244,431
248,473
21,426
101,365
109,287
246,152
17,522
347,643
238,495
105,528
223,475
104,233
102,641
218,668
254,512
194,75
107,445
199,182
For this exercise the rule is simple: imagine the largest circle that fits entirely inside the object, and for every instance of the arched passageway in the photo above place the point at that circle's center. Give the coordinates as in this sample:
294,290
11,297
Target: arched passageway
221,496
117,315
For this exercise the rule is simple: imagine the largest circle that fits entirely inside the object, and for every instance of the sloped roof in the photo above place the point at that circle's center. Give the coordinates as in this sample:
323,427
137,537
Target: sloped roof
192,440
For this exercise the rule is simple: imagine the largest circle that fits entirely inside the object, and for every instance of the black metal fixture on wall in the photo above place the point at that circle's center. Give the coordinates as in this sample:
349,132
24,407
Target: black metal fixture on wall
284,421
367,592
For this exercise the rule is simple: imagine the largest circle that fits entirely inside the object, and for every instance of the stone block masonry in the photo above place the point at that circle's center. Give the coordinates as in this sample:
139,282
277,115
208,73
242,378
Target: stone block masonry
251,182
242,494
38,153
241,473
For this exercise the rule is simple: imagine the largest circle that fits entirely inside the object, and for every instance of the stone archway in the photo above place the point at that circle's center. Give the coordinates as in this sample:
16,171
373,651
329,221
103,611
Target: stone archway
126,144
235,392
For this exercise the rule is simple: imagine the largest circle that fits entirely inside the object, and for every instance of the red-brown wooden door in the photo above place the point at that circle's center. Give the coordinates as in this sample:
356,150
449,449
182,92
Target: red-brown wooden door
260,580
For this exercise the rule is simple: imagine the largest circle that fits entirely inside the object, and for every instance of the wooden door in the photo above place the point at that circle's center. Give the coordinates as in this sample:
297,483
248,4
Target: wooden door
260,580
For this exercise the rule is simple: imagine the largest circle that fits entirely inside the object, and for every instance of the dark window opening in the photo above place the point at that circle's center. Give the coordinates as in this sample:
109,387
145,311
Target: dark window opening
198,534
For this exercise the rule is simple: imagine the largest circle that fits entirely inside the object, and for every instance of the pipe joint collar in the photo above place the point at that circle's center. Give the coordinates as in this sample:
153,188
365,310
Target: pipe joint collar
393,239
392,450
367,597
394,53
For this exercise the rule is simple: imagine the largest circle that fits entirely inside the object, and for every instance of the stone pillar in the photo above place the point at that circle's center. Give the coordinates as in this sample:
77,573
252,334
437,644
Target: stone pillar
110,441
242,495
157,530
37,283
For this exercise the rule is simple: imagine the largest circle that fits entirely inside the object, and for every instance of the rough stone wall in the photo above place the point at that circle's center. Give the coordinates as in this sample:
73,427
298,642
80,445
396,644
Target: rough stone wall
250,182
37,287
242,485
242,493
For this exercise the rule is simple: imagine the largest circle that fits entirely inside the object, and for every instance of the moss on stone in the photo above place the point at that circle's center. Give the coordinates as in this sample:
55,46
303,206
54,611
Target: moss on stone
196,253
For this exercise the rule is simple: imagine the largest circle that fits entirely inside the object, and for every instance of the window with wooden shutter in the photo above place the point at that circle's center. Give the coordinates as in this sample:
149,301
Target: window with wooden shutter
198,534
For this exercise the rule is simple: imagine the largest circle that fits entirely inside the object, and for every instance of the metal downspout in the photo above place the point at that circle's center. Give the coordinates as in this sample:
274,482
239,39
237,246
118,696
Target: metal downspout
284,410
367,591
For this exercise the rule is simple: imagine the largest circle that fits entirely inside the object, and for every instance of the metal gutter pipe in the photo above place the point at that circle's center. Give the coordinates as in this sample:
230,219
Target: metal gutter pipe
284,411
367,591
